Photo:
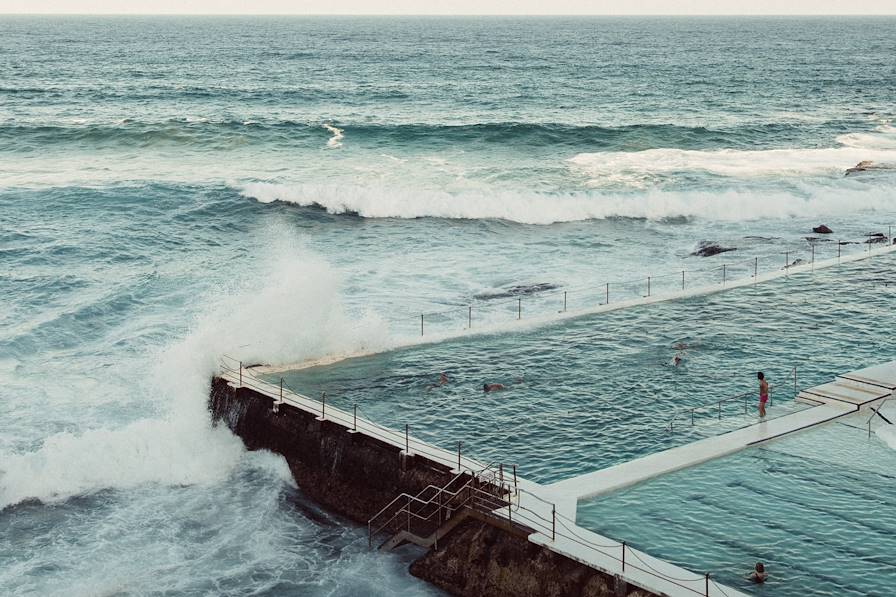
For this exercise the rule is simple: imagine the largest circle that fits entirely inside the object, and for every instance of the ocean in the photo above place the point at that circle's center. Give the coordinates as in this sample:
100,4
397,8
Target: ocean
284,188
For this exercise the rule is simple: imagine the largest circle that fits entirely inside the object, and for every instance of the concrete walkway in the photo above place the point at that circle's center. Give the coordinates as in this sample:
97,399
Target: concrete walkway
847,394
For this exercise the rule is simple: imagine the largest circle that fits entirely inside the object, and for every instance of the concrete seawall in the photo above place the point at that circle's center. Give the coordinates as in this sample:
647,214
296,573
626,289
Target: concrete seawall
355,475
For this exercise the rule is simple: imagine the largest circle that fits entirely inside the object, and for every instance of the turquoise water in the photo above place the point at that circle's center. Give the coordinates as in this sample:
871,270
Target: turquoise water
172,189
817,509
600,390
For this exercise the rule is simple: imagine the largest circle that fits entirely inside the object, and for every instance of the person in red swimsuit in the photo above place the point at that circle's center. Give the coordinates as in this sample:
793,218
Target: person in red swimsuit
763,393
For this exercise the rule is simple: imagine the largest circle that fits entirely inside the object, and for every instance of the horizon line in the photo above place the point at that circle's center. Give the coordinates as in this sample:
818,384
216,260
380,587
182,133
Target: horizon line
400,14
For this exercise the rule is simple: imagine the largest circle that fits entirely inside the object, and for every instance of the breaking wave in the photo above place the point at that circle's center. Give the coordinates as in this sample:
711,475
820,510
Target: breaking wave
180,446
535,208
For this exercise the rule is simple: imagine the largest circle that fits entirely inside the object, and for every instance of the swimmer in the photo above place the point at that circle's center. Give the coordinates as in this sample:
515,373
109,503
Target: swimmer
763,393
492,387
759,575
676,360
443,379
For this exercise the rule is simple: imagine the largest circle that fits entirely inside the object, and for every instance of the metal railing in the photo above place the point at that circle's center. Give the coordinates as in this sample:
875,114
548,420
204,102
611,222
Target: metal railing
716,407
488,489
671,284
233,369
875,412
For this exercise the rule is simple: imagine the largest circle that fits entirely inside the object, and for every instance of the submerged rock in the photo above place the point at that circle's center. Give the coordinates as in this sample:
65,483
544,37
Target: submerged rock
866,165
708,249
875,238
514,291
822,230
860,167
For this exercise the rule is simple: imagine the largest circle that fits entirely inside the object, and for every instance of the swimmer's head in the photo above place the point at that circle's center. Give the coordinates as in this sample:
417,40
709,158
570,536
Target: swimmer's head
760,375
759,567
485,387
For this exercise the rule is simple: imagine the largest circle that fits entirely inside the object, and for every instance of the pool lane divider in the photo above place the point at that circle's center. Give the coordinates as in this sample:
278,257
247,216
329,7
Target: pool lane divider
848,394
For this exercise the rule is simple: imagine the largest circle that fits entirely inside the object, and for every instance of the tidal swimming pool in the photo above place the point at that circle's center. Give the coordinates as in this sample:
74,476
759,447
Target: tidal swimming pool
599,390
818,509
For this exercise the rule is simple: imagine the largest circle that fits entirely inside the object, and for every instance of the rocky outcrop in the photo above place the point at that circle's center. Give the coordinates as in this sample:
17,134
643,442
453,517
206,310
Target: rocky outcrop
708,249
355,475
481,560
875,238
351,474
822,230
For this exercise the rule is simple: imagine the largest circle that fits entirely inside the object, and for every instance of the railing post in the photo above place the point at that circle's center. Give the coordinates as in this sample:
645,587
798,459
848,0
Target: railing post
839,246
755,268
564,301
692,416
458,455
421,324
470,317
355,417
407,443
786,263
623,556
682,280
323,405
608,293
519,307
813,254
554,515
720,410
648,285
724,273
707,584
514,478
241,374
501,472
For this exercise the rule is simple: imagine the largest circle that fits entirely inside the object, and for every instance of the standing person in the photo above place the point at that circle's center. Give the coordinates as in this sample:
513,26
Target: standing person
763,393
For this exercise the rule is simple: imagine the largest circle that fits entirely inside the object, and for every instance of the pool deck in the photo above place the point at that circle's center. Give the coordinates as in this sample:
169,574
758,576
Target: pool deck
550,510
847,394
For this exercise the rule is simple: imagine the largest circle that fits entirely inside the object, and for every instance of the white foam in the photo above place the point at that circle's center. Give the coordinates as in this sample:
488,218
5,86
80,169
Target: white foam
535,208
336,140
888,434
289,309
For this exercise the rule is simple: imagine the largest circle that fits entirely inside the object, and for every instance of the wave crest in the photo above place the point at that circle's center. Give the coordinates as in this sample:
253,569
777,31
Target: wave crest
543,209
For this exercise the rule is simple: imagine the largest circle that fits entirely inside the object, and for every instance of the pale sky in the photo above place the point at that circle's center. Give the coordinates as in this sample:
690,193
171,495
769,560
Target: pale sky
454,7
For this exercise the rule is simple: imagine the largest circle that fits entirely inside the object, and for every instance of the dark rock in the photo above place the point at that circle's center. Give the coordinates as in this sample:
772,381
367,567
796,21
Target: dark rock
862,166
514,291
875,238
708,249
822,230
480,560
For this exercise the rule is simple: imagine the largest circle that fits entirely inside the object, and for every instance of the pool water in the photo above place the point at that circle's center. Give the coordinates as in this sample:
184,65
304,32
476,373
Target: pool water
599,390
818,509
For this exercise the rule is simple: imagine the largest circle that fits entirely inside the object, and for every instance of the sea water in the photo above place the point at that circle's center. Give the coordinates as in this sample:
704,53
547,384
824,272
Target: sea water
172,189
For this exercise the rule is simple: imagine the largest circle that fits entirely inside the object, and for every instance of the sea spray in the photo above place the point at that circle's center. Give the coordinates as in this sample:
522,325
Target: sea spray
290,310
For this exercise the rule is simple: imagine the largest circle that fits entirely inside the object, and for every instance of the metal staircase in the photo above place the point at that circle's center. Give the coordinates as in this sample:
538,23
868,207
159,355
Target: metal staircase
425,518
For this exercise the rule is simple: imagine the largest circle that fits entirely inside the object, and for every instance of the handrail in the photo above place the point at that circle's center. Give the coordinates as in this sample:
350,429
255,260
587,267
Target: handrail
485,501
718,403
464,310
876,412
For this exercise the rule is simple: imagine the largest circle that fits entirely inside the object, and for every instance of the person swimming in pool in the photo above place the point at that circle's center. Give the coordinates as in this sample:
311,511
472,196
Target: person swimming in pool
492,387
759,575
763,393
